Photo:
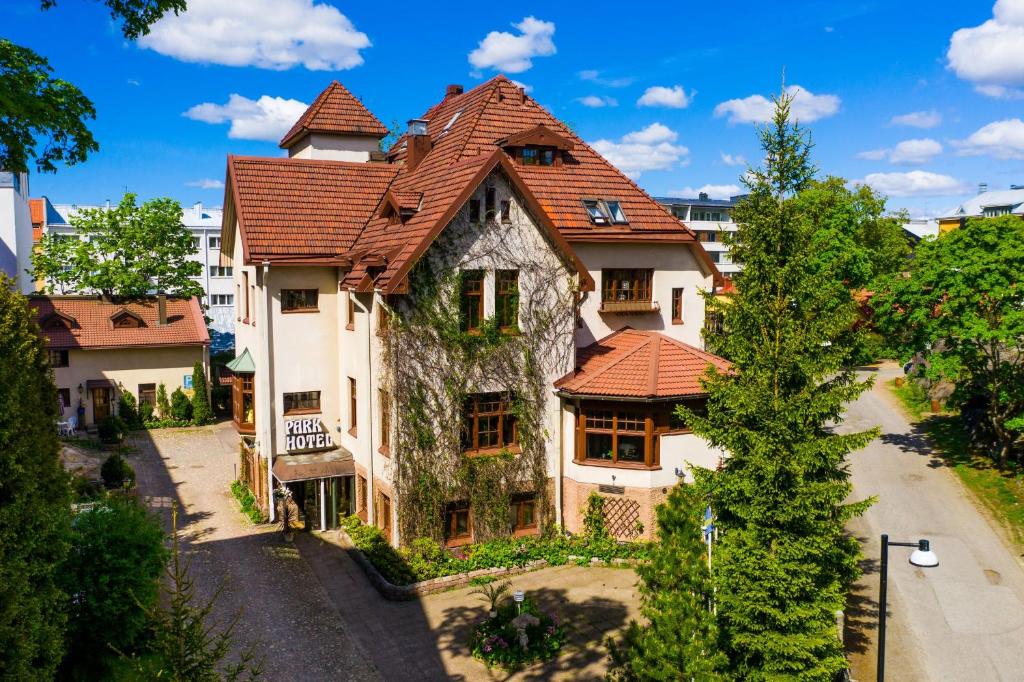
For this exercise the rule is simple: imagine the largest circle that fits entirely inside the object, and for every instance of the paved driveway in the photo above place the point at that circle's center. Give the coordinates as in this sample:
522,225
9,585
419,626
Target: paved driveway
283,604
963,620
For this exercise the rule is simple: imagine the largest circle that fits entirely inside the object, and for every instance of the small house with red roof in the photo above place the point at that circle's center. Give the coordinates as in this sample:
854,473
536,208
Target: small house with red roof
333,247
100,349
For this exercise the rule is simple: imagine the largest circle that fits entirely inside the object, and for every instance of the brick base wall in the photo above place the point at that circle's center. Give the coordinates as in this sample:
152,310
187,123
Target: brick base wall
574,504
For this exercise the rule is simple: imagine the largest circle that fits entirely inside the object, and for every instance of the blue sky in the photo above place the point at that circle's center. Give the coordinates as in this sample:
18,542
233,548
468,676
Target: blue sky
678,83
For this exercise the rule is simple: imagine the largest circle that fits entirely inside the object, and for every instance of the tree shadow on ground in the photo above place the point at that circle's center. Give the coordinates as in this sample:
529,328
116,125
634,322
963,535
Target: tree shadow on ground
587,625
862,609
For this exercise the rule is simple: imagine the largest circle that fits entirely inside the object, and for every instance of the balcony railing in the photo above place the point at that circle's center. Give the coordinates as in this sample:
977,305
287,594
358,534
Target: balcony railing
629,307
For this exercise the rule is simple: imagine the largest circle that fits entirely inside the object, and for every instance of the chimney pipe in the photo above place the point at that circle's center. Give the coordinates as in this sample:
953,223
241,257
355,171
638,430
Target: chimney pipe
418,144
161,309
982,187
453,90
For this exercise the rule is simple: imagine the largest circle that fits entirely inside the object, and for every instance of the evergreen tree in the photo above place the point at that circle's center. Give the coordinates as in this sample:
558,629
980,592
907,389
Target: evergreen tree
783,564
679,641
34,499
201,412
186,646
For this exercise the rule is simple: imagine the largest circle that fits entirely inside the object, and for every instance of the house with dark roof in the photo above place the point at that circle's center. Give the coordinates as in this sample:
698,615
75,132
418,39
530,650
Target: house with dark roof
100,349
493,211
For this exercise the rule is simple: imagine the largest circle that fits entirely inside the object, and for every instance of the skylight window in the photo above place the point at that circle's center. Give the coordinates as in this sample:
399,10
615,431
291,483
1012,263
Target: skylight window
603,212
452,121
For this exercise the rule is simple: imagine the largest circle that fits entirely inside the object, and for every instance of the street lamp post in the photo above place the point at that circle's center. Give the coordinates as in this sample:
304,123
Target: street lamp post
922,556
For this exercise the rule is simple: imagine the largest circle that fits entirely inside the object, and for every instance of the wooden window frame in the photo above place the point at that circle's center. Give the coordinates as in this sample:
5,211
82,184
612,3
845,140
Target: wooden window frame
144,390
638,297
305,308
506,419
63,355
63,393
350,310
538,155
506,211
245,289
650,432
382,513
353,407
506,300
361,497
451,515
301,402
517,510
474,211
471,298
490,203
677,305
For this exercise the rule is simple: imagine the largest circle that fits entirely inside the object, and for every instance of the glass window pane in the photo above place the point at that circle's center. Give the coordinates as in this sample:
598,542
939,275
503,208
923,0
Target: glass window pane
599,446
631,448
616,212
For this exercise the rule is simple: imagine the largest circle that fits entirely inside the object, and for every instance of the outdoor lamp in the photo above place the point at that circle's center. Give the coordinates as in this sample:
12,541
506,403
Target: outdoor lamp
924,557
518,597
80,389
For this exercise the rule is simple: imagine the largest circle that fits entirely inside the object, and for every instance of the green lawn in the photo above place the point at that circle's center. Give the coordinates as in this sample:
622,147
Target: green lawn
999,490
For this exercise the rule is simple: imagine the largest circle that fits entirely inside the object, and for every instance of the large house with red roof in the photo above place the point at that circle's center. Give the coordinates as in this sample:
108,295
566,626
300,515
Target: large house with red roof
491,209
101,348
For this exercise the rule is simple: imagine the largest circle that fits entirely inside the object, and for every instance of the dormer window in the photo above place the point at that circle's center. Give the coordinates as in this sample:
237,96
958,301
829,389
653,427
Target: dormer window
538,156
605,212
125,319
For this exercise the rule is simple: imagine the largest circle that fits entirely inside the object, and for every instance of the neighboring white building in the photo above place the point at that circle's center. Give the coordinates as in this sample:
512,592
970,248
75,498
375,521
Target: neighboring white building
204,222
986,204
709,218
334,251
15,229
922,227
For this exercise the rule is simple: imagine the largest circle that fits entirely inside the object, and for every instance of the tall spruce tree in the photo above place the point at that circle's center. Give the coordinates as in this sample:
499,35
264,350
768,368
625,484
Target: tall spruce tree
783,564
679,641
35,510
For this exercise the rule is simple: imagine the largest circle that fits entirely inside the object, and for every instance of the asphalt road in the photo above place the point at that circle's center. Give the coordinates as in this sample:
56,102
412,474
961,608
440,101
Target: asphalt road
963,620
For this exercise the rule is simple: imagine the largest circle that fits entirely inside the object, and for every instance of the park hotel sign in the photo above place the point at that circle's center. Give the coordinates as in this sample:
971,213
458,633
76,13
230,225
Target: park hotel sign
306,435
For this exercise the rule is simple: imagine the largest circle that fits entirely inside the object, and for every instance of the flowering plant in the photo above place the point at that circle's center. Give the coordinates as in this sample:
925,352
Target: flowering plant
498,642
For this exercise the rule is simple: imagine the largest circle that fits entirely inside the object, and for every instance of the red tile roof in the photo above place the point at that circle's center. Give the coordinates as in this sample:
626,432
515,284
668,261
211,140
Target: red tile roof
639,364
337,111
92,329
299,209
304,208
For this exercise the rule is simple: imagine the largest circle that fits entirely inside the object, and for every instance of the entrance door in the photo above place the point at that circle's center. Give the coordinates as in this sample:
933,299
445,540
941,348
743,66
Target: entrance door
100,404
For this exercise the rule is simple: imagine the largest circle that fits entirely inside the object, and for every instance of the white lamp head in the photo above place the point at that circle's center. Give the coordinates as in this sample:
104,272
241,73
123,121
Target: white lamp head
923,556
518,596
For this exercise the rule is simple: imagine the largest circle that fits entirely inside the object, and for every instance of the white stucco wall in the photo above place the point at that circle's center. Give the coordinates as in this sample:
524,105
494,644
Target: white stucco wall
335,147
674,266
16,230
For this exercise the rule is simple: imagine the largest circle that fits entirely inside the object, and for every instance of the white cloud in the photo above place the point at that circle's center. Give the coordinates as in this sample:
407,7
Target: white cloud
713,191
733,159
503,51
674,97
594,76
911,152
806,107
269,34
917,119
598,101
206,183
916,183
992,55
648,149
267,118
1001,139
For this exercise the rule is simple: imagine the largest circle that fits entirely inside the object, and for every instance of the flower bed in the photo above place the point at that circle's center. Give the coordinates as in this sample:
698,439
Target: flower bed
247,501
516,637
425,559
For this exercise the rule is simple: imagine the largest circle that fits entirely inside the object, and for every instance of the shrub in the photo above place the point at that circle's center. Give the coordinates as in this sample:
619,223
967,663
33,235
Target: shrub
116,470
593,517
84,490
111,430
371,542
201,413
113,570
247,501
146,413
128,411
181,406
495,641
163,405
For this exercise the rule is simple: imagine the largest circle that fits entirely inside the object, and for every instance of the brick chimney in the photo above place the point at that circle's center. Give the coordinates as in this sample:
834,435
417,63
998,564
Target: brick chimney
418,143
453,90
161,309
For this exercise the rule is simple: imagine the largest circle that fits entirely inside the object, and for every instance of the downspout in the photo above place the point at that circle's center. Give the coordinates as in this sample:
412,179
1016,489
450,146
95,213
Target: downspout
559,497
371,487
266,430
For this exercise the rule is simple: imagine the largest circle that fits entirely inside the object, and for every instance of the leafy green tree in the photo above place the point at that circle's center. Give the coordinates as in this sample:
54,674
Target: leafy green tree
163,404
34,499
112,574
853,234
680,639
201,412
44,118
127,251
962,309
783,564
187,646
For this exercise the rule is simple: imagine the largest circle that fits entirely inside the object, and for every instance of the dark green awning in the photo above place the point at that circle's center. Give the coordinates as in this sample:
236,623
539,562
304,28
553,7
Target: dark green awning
243,364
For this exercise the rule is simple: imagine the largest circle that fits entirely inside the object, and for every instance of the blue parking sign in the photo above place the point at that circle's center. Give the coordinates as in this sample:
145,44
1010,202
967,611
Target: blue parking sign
188,381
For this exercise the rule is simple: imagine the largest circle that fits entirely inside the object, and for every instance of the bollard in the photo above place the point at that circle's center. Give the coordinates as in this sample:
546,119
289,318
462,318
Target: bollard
936,406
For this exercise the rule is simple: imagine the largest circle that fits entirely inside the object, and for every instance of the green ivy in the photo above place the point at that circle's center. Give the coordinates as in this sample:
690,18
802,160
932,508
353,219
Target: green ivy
250,508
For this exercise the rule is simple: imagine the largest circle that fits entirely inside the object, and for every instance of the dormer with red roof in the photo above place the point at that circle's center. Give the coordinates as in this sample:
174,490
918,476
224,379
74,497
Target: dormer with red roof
335,126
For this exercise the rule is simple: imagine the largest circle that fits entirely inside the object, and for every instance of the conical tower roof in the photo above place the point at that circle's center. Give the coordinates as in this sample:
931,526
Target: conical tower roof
335,111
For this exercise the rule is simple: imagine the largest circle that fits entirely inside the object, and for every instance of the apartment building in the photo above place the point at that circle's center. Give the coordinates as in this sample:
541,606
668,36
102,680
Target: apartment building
710,219
488,291
15,230
203,221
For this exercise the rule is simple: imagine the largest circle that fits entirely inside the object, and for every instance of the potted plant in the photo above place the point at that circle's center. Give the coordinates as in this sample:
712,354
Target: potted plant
492,594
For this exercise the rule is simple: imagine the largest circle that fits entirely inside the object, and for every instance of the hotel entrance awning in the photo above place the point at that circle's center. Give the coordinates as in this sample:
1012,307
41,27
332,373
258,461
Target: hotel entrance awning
291,468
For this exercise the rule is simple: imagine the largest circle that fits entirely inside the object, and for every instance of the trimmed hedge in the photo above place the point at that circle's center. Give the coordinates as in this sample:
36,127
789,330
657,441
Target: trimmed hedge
247,501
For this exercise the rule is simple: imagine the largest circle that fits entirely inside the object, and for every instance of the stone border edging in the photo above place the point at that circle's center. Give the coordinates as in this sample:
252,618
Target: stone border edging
393,592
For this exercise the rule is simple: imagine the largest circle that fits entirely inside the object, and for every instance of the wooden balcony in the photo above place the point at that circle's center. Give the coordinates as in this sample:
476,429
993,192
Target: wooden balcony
629,307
